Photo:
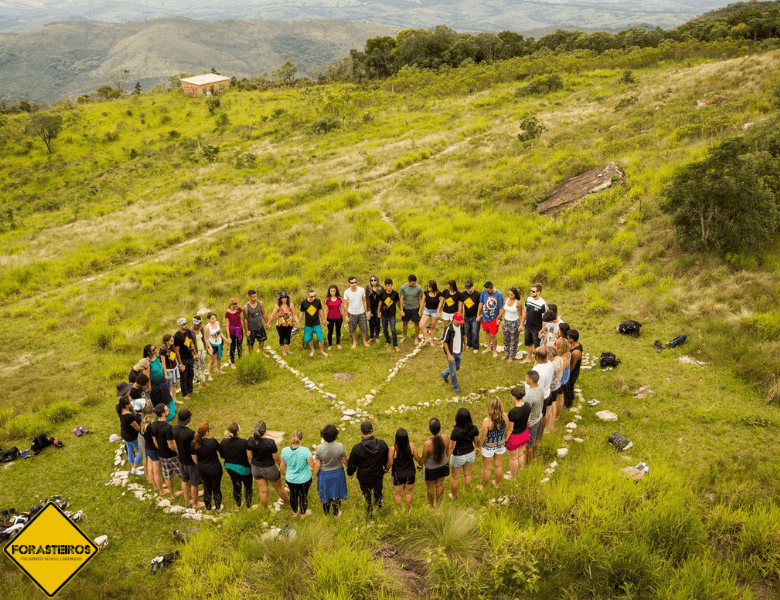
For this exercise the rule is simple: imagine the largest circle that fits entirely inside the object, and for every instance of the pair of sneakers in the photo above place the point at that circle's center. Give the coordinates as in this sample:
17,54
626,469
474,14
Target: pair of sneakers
137,470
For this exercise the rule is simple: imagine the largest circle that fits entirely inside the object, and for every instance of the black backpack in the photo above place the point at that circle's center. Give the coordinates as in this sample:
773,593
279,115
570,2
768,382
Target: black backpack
619,442
9,455
630,327
40,442
608,359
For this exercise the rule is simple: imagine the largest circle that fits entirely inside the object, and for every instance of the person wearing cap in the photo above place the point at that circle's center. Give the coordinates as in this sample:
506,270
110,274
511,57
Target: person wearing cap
452,343
190,478
357,309
411,294
285,317
491,301
183,345
469,306
199,352
369,458
253,319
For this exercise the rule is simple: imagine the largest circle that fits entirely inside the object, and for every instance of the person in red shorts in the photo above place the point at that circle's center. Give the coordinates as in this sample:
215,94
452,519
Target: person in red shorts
491,301
520,434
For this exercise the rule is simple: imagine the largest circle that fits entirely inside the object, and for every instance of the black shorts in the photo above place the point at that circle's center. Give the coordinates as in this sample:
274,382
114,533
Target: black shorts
189,474
438,473
412,315
554,394
550,399
403,479
532,337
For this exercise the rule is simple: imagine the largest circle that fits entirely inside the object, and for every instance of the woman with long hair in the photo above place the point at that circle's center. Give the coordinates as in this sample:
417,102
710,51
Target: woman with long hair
130,426
171,365
285,317
216,339
236,464
205,453
560,361
401,465
201,350
373,293
158,378
435,460
510,315
235,329
464,440
335,307
496,428
262,453
432,298
297,464
152,466
449,303
517,442
330,460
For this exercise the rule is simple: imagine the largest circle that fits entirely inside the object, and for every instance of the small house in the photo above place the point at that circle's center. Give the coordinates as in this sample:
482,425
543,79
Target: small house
203,84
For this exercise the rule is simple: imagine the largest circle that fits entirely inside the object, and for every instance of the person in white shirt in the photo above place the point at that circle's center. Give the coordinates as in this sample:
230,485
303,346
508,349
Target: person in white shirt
357,309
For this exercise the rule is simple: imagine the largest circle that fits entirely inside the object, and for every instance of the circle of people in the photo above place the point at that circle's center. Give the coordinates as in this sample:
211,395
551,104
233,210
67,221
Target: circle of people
159,450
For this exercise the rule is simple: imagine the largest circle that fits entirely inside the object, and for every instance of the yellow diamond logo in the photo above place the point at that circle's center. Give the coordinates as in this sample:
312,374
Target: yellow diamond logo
51,549
449,302
311,310
388,302
469,303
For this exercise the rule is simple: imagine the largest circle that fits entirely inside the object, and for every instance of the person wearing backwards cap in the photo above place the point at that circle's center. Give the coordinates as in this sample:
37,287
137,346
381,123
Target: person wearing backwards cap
184,345
452,343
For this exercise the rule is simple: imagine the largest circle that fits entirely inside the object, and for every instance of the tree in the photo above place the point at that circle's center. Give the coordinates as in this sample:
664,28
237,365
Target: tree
46,127
106,92
120,78
137,88
285,73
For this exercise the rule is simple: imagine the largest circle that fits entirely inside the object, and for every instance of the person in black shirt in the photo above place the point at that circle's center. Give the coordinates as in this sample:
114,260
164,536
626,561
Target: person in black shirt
152,460
373,295
190,477
237,464
205,452
574,370
184,346
469,306
369,460
313,315
516,442
388,302
130,425
463,440
166,448
263,456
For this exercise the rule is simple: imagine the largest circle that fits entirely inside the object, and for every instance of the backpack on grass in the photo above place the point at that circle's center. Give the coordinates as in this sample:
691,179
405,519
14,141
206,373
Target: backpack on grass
619,442
679,340
608,359
630,328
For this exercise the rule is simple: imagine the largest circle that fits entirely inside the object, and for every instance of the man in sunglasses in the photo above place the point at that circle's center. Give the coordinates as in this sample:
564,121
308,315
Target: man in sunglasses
491,301
534,308
356,311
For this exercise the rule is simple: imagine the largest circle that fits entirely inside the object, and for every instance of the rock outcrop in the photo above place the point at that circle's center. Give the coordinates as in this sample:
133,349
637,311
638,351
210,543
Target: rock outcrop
572,190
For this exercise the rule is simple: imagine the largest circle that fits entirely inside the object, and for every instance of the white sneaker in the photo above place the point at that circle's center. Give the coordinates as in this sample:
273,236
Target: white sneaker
132,471
138,471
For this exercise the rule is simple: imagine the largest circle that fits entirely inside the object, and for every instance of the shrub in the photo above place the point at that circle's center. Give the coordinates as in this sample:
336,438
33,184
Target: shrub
626,102
627,77
252,369
212,104
530,129
702,579
27,425
759,543
363,580
100,335
672,525
210,153
59,411
541,85
324,124
599,306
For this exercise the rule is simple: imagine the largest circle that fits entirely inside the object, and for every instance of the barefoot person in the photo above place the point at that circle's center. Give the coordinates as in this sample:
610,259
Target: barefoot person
296,465
162,433
493,442
517,442
401,465
411,306
205,452
357,309
374,294
312,315
236,464
234,318
491,301
435,460
253,319
262,453
200,352
330,460
216,339
534,397
335,307
510,314
184,347
388,302
469,306
152,467
285,316
463,441
531,319
190,476
369,459
452,344
431,302
170,364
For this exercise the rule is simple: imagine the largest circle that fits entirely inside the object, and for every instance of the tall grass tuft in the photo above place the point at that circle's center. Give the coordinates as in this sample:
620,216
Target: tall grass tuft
454,531
252,368
672,524
702,579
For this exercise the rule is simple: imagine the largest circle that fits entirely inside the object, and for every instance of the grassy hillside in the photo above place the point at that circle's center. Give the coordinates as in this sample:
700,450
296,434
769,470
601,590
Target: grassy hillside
153,206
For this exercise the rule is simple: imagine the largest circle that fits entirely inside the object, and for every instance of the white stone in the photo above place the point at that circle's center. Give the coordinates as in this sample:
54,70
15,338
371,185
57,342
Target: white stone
545,480
578,417
346,418
549,471
369,396
562,452
114,438
554,464
349,411
607,415
163,503
579,440
571,425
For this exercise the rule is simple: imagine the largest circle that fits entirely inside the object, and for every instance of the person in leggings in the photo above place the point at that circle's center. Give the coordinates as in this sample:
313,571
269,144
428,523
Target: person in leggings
235,330
335,307
373,293
330,458
205,453
285,317
237,465
297,463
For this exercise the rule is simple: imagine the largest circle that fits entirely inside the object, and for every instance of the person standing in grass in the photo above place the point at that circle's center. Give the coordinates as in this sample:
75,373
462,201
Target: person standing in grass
449,303
560,365
160,392
517,442
313,315
463,441
162,433
130,426
297,464
152,467
262,453
139,393
411,294
431,303
235,318
374,293
190,476
253,319
206,452
576,362
237,465
549,328
216,339
545,369
435,460
491,301
330,460
534,397
495,429
184,347
510,313
401,466
357,308
200,352
335,306
369,459
388,302
285,317
469,307
452,343
534,308
168,357
142,366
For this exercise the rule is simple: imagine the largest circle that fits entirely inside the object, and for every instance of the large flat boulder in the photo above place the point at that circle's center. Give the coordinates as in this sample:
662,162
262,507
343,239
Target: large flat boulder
572,190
